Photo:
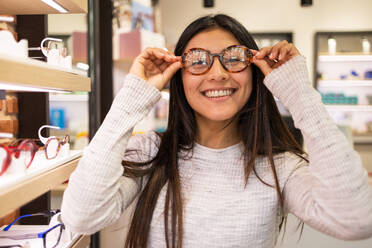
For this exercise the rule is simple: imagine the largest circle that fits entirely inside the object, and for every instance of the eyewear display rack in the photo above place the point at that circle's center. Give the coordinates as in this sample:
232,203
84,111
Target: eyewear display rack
33,193
342,77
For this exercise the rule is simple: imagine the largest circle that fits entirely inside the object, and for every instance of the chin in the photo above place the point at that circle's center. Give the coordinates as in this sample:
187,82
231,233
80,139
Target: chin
217,117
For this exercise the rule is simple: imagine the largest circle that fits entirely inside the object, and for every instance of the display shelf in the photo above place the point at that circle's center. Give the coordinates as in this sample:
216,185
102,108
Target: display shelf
349,108
32,7
18,190
17,71
345,83
82,241
345,58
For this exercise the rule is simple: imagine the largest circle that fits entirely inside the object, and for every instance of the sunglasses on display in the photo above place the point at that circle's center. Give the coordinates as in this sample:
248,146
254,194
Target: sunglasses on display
234,58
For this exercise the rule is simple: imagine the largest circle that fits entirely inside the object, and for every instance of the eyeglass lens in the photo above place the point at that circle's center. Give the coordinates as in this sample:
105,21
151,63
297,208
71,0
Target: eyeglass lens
54,145
21,155
234,59
53,237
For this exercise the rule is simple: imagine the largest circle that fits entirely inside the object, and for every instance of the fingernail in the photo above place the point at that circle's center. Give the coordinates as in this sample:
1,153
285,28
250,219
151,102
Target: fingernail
258,54
280,57
271,56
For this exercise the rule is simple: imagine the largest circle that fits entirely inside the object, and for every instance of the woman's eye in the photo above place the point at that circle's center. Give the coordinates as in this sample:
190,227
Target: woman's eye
199,62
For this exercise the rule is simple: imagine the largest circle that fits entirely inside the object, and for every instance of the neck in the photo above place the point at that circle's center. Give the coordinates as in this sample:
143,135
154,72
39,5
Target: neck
217,134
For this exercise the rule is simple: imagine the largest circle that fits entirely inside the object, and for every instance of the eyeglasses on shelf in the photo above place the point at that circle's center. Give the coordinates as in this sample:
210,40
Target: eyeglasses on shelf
53,145
23,153
51,237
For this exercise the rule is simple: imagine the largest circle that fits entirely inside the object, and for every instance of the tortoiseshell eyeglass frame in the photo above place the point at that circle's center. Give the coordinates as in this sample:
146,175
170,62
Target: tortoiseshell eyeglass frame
65,140
220,58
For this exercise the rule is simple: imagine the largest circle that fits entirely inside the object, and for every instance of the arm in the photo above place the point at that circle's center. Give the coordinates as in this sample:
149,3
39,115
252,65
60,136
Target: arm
332,194
97,192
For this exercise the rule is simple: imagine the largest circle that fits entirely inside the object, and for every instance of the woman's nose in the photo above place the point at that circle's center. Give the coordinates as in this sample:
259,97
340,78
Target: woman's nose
217,72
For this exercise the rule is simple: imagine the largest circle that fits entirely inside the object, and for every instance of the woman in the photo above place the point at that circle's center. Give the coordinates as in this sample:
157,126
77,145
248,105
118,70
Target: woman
226,172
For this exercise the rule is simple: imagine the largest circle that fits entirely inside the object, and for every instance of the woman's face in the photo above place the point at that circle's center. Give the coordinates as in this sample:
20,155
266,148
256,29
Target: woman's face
201,90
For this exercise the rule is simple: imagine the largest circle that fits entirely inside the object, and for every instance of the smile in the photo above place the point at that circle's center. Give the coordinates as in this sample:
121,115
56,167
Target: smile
218,93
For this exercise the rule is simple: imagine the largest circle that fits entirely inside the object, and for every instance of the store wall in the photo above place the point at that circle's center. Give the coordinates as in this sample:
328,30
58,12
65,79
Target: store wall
274,15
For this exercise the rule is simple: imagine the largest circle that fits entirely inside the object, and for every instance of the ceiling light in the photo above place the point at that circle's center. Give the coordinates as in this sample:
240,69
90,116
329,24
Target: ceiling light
55,5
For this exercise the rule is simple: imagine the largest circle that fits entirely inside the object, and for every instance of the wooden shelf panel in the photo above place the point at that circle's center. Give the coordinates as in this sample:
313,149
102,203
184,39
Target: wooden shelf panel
82,242
32,7
362,139
17,195
33,73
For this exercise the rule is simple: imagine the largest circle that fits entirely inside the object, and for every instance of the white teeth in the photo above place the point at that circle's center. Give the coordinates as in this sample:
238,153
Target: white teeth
218,93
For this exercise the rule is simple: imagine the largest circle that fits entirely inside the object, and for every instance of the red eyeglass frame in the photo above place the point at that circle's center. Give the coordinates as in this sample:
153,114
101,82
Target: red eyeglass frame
16,151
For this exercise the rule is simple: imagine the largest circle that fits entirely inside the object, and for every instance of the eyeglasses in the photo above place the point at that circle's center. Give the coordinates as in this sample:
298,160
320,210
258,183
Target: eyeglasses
51,236
234,58
49,44
53,145
24,153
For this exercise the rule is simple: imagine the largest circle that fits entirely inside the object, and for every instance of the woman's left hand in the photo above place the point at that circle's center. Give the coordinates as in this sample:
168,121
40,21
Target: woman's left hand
269,58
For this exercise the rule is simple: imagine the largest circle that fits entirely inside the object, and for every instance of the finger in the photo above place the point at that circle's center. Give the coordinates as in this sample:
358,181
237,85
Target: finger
283,53
151,53
263,52
158,61
171,70
274,55
164,66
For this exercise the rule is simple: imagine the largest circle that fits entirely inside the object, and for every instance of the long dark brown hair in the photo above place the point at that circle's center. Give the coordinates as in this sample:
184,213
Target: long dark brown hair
263,133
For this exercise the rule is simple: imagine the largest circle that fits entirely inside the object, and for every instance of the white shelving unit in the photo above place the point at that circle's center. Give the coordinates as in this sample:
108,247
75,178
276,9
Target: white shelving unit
350,108
344,83
332,68
345,58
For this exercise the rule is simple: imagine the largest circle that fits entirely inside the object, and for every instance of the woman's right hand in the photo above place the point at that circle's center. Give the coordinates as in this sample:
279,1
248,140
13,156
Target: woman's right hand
156,66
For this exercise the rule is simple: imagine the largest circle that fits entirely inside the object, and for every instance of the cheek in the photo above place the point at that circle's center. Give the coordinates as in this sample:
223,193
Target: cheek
190,85
245,82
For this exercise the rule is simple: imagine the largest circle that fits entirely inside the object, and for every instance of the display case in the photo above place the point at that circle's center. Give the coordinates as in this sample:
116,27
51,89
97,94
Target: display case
19,190
343,76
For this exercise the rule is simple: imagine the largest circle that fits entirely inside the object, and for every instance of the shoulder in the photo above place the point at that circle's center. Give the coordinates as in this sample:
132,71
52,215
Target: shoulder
142,147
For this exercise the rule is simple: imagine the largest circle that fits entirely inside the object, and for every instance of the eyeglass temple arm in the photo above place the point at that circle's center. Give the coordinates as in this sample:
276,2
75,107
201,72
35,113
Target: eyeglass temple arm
44,213
14,221
44,139
42,44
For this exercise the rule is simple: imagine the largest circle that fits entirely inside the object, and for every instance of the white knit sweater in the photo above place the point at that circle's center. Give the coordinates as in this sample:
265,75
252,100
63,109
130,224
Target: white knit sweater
331,193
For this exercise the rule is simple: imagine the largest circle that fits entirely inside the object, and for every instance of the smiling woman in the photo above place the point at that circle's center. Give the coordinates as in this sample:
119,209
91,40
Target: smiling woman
227,171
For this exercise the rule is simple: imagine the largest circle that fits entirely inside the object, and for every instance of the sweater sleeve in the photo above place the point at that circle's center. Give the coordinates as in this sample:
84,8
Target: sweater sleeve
97,192
331,193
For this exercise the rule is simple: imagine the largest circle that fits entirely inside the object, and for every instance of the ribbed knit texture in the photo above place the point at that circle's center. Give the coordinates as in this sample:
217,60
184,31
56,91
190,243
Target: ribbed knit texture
330,193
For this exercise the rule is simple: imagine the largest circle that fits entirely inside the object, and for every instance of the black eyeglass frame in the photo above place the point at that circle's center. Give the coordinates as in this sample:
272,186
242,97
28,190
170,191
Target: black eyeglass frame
43,234
220,58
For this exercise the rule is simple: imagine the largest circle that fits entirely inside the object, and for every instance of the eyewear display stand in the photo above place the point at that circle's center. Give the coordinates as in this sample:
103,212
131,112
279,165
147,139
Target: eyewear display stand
42,176
31,193
77,241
